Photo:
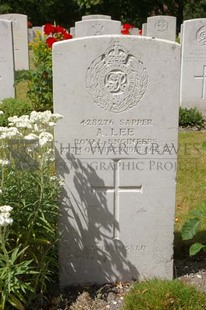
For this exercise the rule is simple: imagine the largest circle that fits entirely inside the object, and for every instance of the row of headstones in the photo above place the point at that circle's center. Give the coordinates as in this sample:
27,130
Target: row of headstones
193,38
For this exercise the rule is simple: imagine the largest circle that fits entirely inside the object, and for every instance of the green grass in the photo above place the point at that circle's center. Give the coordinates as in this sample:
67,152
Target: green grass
164,295
190,179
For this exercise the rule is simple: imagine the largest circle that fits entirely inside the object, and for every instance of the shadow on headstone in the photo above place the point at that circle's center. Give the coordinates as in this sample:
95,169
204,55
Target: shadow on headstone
88,249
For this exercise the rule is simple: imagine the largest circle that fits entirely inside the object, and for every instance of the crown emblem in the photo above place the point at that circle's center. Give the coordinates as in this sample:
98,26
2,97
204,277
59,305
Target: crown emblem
116,54
116,80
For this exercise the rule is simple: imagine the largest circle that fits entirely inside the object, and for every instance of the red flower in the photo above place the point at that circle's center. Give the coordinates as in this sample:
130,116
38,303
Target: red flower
67,36
127,26
29,24
50,41
140,32
125,31
49,29
60,29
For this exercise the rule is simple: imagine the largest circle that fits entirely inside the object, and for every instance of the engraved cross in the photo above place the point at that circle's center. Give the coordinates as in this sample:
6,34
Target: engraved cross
203,78
117,189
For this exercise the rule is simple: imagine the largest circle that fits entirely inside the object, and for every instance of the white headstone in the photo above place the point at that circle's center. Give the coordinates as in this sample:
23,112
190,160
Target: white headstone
96,16
162,27
6,61
193,72
181,33
116,151
30,35
134,31
37,31
20,38
92,26
144,29
72,31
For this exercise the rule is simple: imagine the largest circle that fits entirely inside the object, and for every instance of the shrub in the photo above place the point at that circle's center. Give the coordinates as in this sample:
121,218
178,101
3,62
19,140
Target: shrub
11,107
164,295
191,118
192,225
40,79
28,210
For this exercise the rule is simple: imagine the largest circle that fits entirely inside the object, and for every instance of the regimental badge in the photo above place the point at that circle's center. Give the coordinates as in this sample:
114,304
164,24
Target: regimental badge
201,35
161,25
116,80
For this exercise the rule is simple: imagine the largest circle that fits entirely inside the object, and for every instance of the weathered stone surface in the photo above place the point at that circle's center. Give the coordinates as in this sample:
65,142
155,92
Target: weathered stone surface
96,16
144,29
6,61
193,73
162,27
96,26
20,39
116,151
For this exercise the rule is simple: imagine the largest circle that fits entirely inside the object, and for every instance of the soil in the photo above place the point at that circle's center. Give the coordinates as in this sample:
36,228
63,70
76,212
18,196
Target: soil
190,270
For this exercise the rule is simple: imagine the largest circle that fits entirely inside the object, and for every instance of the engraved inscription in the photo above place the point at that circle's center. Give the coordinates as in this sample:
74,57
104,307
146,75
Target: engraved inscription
91,251
201,35
161,25
116,80
122,122
97,29
203,78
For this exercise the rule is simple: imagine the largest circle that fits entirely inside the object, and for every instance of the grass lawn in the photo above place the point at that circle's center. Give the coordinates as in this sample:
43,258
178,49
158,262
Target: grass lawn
191,177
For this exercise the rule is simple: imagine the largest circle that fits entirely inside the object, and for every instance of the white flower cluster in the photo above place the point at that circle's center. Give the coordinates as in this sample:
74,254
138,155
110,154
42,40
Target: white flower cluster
36,126
32,131
9,133
5,218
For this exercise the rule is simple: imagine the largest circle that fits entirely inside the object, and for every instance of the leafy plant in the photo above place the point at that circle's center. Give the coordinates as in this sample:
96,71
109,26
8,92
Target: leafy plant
40,79
191,227
28,253
164,295
191,118
11,107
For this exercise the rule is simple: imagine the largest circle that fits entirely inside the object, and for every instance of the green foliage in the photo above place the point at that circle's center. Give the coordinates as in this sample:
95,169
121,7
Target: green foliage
12,288
28,251
195,9
40,79
88,3
198,218
191,118
164,295
192,225
11,107
4,8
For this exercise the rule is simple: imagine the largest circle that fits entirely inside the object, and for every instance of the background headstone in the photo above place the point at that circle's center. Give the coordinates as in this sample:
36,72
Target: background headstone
115,150
144,29
96,16
162,27
181,34
94,25
20,39
38,30
6,61
134,31
30,35
72,31
193,71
